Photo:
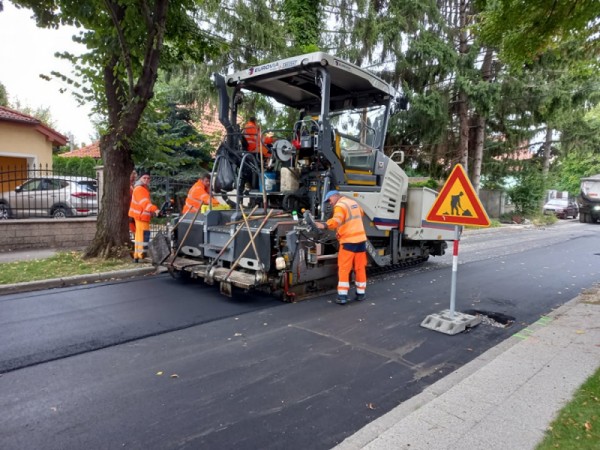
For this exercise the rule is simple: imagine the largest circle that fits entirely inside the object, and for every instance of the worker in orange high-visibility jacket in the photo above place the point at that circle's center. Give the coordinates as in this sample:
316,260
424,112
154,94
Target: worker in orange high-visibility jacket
352,254
132,180
142,210
254,139
198,195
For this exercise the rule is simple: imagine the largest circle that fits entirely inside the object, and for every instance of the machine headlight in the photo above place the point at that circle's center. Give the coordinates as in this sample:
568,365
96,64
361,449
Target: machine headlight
596,208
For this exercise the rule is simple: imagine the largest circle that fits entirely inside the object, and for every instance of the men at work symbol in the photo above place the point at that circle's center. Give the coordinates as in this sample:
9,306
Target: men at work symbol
456,207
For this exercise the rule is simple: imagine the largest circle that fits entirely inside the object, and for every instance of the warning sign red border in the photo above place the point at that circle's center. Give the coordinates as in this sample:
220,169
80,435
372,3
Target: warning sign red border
478,218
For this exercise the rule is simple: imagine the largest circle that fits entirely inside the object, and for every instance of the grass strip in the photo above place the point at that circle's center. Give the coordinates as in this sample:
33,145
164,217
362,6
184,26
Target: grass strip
63,264
577,426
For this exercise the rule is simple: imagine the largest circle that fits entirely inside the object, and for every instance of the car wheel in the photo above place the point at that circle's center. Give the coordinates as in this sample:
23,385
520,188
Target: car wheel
59,213
4,212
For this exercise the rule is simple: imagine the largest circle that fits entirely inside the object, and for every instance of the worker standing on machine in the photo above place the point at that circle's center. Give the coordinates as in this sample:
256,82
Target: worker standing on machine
253,136
352,254
198,195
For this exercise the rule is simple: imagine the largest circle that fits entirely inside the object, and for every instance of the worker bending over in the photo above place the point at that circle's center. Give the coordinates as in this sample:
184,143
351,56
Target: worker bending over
352,254
198,195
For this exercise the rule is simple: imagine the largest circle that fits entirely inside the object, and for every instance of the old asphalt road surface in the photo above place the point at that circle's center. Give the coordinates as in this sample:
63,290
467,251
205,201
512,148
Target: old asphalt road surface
305,375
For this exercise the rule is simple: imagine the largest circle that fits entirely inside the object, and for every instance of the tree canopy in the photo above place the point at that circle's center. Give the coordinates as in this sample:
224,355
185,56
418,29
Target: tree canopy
524,29
3,93
127,42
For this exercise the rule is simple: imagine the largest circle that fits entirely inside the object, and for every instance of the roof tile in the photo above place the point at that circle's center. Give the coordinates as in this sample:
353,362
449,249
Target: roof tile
92,150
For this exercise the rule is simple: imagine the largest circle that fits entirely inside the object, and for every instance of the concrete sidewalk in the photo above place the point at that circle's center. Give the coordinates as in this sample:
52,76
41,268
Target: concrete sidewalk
506,398
27,255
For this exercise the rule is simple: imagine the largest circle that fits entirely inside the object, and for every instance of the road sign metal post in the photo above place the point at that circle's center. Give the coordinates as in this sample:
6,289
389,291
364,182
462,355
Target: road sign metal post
454,270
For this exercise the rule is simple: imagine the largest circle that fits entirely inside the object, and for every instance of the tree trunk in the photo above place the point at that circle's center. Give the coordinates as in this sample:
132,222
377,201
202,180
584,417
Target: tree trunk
547,151
463,125
479,140
125,107
463,106
112,231
546,161
480,122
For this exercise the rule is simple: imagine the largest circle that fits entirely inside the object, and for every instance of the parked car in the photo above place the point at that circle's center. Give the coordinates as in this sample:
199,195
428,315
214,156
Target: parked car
51,196
562,207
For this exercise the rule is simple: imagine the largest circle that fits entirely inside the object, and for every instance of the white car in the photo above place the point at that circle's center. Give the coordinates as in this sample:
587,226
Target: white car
51,196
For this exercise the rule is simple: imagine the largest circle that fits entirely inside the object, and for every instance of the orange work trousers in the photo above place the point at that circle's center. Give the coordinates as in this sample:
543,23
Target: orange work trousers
347,261
142,237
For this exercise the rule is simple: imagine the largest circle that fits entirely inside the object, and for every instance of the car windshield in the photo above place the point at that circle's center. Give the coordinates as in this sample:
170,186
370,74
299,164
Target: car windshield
361,126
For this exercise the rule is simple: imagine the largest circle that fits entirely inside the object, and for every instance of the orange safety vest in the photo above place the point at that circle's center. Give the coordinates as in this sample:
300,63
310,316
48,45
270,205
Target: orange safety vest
197,196
141,208
347,219
253,138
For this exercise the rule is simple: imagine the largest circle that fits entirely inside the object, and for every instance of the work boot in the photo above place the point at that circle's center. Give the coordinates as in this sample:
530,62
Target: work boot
359,297
342,299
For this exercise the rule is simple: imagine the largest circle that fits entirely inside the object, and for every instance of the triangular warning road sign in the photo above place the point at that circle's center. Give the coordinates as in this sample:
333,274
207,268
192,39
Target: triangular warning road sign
457,202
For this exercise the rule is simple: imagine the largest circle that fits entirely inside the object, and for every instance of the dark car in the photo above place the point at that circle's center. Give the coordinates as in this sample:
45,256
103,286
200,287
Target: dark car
562,208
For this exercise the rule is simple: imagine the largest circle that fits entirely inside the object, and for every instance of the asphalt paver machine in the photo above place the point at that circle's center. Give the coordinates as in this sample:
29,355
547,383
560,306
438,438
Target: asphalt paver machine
267,241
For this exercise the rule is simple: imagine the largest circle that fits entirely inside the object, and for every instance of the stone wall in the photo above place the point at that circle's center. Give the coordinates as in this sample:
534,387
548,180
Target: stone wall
495,202
46,233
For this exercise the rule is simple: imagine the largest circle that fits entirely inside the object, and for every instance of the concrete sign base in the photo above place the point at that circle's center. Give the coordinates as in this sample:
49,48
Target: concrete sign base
445,323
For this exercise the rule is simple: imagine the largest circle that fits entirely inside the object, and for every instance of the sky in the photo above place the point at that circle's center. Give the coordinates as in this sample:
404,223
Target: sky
27,51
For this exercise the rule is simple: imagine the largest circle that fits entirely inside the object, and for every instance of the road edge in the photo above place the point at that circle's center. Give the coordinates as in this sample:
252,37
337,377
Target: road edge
53,283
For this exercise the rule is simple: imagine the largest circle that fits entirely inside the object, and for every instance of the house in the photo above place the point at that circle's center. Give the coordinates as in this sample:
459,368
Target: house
25,141
92,150
209,125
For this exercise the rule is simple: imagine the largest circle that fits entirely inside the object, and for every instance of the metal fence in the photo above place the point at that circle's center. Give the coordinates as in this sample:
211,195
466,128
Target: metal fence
38,191
170,189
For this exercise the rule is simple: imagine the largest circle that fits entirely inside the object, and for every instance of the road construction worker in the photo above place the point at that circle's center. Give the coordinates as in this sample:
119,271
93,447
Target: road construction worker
352,254
198,195
254,138
142,210
132,179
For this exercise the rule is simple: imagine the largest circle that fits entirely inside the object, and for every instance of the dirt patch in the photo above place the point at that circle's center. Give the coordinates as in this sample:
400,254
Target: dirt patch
591,295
